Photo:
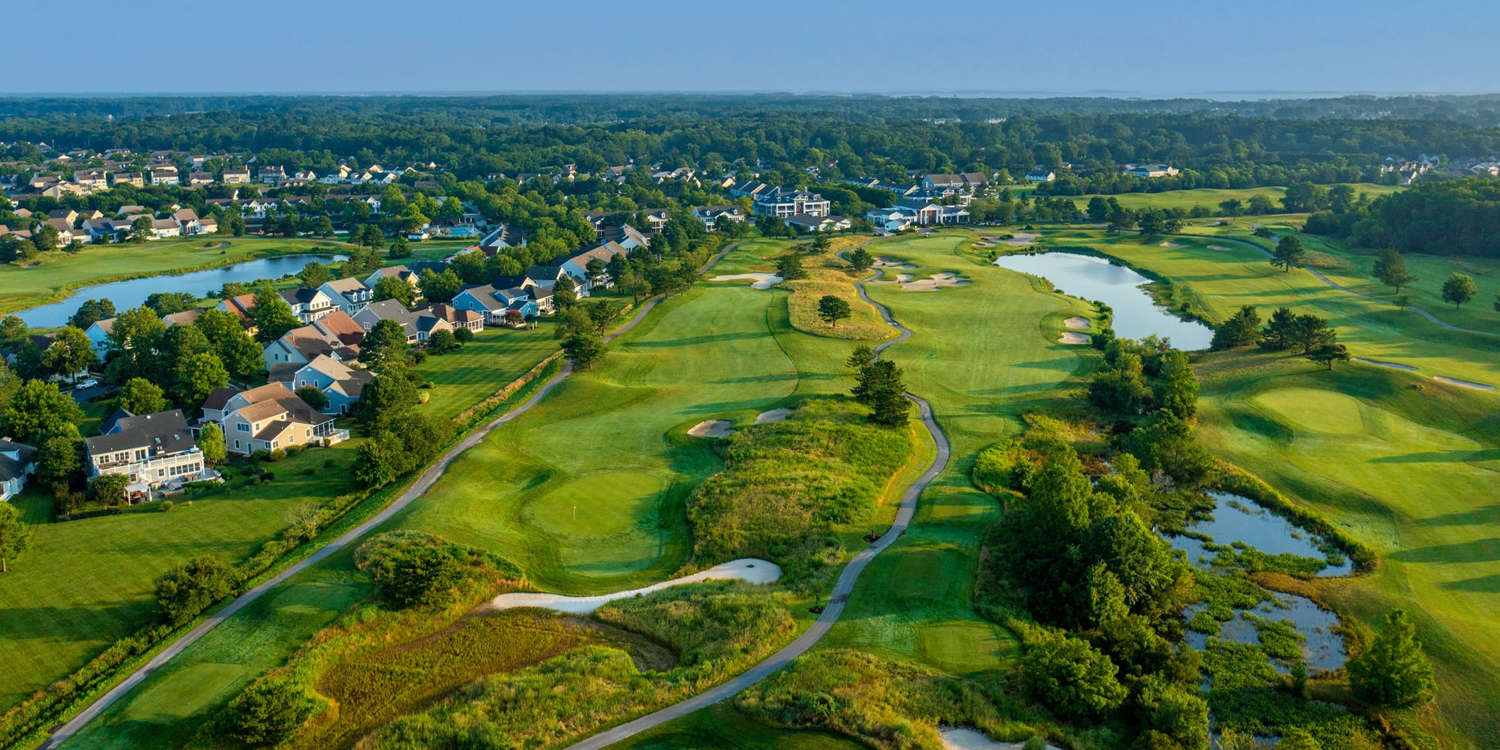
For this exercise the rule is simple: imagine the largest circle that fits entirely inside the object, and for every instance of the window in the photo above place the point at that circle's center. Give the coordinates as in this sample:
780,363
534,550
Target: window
241,427
236,445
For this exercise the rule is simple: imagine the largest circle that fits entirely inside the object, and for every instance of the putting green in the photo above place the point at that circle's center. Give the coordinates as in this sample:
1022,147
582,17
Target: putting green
598,505
1314,409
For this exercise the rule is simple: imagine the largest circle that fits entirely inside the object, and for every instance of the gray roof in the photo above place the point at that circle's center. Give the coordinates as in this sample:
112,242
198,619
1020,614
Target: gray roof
166,431
10,468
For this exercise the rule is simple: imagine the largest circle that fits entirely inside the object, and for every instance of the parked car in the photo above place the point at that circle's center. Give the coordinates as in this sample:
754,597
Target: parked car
90,383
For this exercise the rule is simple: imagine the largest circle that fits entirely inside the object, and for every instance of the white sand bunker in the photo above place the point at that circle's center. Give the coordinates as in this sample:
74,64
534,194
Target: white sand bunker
745,569
762,280
901,278
893,263
1221,248
1073,337
934,282
1463,383
968,739
774,415
984,244
1392,365
712,428
1018,239
1077,324
1173,244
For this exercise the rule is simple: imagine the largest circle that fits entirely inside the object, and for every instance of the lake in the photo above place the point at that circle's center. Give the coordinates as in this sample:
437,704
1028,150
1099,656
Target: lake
1136,316
131,293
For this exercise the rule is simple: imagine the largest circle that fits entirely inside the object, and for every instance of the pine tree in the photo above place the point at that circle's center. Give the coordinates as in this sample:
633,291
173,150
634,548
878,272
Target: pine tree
1390,269
1393,671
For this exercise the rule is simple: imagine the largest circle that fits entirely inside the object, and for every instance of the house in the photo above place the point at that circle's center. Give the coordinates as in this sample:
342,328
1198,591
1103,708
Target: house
576,265
163,228
751,188
340,384
467,319
493,303
187,218
236,176
153,450
271,418
309,304
106,230
501,238
349,295
626,236
709,215
164,176
271,175
241,306
1041,174
17,461
785,203
199,179
98,332
336,335
335,176
93,179
65,234
400,272
809,223
418,325
891,220
186,317
1151,171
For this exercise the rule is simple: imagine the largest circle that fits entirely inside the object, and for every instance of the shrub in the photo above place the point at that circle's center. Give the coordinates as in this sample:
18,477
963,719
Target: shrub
277,455
413,569
1003,466
266,713
189,588
463,335
166,506
1071,677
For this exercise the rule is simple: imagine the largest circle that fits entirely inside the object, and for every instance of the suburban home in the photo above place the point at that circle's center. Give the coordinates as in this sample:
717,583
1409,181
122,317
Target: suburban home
93,179
190,223
576,265
271,418
787,203
186,317
1151,171
418,325
458,318
241,306
751,188
129,178
961,181
1041,174
349,295
335,335
309,304
501,238
106,230
98,332
809,223
236,176
626,236
17,461
336,380
153,450
164,176
272,175
65,234
493,303
400,272
891,220
709,215
199,179
164,228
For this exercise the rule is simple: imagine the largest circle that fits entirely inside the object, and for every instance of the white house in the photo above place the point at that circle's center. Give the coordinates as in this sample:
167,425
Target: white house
309,304
709,215
1041,174
153,450
349,295
17,462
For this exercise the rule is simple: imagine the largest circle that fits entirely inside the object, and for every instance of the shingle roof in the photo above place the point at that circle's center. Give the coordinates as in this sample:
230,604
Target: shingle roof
165,431
11,468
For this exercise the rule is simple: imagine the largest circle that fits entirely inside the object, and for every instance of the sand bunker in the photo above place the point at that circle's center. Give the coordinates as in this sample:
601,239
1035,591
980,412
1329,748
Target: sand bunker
1221,248
1174,244
712,428
968,739
932,283
893,263
1392,365
1073,337
1018,239
1464,383
1077,324
774,415
984,244
745,569
762,280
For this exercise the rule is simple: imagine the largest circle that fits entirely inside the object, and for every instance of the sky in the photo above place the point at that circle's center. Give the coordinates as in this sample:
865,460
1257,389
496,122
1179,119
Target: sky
1225,49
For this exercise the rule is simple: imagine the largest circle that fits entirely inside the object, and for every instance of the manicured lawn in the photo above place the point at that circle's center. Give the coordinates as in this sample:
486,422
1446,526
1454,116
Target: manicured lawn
1211,198
24,287
494,358
1409,468
980,354
86,583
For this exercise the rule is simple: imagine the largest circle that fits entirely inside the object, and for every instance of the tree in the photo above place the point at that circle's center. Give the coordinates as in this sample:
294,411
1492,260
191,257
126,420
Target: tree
1458,289
789,267
584,348
1276,336
1309,332
141,396
1327,354
14,538
13,331
167,303
384,341
1390,269
211,444
400,247
314,275
860,357
90,312
140,229
861,260
70,353
1071,677
464,335
313,396
833,309
1393,671
879,385
39,411
594,270
269,711
193,586
108,489
820,244
45,237
1232,207
272,316
440,287
390,287
441,341
57,460
1242,329
1289,254
891,408
1120,388
196,378
564,293
1176,388
392,391
242,357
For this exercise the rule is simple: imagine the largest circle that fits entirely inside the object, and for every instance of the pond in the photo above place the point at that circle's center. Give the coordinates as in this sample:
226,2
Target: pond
131,293
1136,316
1240,520
1322,646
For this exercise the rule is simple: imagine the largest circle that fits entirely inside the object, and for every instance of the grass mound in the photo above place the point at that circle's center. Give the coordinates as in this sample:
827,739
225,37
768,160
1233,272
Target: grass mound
864,324
786,485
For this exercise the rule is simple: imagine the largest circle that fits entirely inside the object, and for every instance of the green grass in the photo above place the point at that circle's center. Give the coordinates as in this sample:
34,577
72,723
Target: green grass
722,727
495,357
1409,469
1210,198
85,584
25,287
915,601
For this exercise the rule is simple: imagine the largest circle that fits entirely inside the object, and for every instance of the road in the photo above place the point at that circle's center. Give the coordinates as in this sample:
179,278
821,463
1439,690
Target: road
841,590
417,489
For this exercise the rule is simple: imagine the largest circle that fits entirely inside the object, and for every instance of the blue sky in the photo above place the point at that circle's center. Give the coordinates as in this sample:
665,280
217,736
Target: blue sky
1165,47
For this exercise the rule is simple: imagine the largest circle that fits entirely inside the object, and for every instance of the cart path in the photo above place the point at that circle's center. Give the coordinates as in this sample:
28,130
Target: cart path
841,590
416,490
1429,316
